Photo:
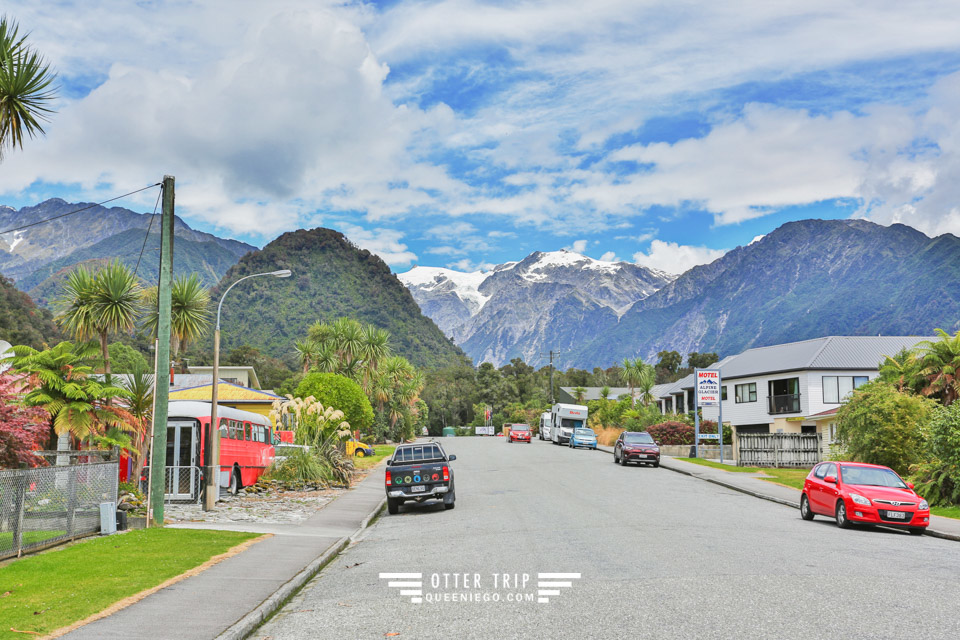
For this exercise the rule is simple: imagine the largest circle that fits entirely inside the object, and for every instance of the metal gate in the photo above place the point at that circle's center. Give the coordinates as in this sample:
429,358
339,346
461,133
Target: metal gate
778,449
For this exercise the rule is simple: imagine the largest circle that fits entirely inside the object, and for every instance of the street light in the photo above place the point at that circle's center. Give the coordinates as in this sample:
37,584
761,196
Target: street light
211,452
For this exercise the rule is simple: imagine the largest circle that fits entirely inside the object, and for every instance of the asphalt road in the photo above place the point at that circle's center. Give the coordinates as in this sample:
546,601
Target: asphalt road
659,554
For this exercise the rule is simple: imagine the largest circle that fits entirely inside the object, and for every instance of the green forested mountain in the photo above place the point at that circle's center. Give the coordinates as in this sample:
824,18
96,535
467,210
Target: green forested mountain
21,322
331,278
806,279
208,259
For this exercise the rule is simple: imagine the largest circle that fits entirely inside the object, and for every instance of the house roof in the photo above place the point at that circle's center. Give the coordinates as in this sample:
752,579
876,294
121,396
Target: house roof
251,374
824,414
226,392
593,393
828,353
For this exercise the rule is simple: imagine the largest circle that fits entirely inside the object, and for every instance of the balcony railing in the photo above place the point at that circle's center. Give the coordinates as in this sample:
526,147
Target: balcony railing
787,403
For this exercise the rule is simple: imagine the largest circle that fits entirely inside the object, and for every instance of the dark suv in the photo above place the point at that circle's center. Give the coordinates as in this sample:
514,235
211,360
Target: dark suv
418,472
636,446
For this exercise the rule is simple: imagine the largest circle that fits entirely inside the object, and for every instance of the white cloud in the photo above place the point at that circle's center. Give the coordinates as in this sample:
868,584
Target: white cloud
383,242
675,258
578,246
469,266
610,256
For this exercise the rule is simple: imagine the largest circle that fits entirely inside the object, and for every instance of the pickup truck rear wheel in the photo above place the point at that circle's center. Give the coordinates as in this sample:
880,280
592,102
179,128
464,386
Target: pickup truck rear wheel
393,506
453,501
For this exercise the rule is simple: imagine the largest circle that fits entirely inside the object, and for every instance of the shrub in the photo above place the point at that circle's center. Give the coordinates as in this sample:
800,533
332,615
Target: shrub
671,432
300,467
881,425
340,393
939,479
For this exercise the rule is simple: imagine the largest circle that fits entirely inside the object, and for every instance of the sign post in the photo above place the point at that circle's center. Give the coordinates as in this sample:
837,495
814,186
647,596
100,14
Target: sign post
706,394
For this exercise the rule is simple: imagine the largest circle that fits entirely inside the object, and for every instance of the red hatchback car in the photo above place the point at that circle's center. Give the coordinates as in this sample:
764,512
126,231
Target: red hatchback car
858,493
519,433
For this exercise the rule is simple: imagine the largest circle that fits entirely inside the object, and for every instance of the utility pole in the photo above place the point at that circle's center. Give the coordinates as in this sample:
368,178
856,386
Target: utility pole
161,388
552,354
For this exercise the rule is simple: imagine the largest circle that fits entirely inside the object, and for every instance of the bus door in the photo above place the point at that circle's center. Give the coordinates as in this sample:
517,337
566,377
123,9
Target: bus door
182,481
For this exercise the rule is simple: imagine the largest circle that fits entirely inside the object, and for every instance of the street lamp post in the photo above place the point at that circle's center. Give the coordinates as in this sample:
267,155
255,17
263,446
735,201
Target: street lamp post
211,452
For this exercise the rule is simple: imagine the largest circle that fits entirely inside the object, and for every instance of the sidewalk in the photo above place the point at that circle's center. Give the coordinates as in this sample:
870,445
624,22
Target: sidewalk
749,483
249,586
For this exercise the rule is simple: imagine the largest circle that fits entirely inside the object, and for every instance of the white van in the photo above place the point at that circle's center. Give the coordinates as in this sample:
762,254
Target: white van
564,418
545,425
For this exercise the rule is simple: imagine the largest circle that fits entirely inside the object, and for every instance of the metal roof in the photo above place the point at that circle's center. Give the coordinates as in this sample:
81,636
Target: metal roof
593,393
831,352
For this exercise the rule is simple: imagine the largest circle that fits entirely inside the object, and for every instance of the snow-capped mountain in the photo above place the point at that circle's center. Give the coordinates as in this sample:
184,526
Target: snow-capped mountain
548,300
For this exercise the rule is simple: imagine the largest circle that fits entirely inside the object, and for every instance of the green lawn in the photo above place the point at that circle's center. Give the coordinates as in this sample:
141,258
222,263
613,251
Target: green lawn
383,451
29,537
946,512
44,592
789,477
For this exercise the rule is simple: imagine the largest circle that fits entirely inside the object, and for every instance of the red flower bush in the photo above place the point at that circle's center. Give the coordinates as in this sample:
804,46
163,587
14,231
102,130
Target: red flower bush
22,429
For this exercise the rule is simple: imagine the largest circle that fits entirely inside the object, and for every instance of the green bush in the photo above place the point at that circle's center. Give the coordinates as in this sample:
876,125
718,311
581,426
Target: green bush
300,467
938,480
880,425
332,390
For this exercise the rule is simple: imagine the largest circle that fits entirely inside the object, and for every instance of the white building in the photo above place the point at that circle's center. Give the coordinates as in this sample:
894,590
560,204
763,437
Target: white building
794,387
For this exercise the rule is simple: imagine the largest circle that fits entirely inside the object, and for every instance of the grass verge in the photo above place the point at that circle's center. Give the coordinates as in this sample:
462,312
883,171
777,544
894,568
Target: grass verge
946,512
792,478
42,593
382,451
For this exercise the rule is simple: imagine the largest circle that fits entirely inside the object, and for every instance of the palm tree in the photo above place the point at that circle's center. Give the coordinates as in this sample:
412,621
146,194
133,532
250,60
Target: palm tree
605,393
139,386
939,363
636,373
374,347
901,369
190,312
96,305
62,383
579,393
25,88
307,351
347,339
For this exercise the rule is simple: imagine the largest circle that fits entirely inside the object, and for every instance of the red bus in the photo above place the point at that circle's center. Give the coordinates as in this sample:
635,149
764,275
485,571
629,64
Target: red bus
246,447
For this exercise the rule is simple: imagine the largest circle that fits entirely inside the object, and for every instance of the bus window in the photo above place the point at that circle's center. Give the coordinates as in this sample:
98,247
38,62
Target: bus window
261,433
223,428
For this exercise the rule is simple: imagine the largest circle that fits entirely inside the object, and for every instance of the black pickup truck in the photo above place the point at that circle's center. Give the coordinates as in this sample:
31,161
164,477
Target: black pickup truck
419,472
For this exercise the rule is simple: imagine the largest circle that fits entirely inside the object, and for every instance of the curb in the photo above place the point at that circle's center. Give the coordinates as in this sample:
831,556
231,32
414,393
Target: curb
248,623
930,532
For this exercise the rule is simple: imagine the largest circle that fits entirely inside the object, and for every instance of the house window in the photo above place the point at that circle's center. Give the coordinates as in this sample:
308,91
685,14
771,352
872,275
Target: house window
723,392
837,388
746,392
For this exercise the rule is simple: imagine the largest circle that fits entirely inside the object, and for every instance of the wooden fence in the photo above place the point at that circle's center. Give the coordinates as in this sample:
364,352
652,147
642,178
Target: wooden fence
778,449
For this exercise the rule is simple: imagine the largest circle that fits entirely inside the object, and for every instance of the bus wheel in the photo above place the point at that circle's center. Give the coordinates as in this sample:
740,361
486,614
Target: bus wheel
235,483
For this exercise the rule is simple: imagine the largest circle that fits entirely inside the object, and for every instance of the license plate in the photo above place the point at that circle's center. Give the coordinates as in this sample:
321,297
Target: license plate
420,488
899,515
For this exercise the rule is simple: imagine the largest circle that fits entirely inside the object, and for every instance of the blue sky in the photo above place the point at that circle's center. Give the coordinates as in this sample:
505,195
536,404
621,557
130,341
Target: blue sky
463,134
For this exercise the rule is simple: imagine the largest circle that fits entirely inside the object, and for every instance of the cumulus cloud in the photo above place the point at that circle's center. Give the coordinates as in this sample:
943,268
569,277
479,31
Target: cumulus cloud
675,258
578,246
610,256
383,242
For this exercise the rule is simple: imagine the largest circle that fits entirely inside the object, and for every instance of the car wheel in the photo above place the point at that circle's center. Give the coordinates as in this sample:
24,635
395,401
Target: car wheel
842,521
656,464
615,460
360,453
393,506
623,460
805,511
450,500
918,531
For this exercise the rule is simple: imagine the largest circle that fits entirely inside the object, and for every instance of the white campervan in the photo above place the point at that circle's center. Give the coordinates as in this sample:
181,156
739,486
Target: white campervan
545,425
564,418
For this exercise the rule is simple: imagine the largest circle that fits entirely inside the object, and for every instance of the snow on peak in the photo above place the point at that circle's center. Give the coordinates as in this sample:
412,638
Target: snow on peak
465,284
564,258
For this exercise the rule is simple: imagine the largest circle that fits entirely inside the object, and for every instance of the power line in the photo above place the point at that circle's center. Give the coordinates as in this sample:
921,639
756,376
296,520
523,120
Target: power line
147,237
70,213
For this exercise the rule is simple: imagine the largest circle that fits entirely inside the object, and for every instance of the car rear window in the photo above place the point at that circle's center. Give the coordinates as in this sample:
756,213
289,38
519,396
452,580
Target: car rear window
418,453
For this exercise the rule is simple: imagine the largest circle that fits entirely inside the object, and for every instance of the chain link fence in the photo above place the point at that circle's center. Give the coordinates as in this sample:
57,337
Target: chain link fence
183,484
49,505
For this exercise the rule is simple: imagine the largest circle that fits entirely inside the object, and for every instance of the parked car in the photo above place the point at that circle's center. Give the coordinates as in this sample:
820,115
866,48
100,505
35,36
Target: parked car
544,429
419,472
858,493
636,446
519,433
583,438
359,449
